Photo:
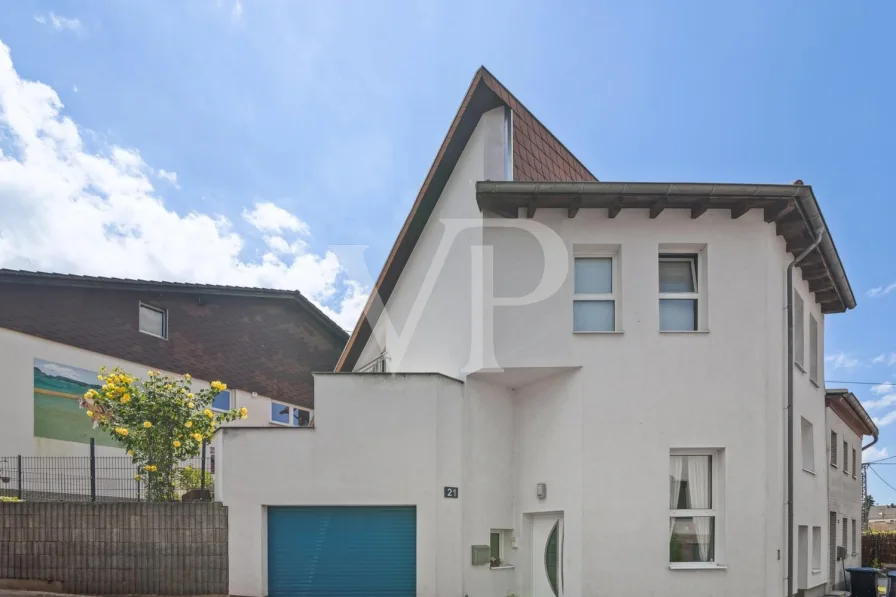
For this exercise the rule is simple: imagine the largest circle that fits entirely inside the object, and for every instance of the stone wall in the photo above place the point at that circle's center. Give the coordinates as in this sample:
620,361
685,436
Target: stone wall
116,548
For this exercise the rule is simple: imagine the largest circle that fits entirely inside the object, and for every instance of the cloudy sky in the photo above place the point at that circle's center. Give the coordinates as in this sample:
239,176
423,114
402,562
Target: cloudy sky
248,142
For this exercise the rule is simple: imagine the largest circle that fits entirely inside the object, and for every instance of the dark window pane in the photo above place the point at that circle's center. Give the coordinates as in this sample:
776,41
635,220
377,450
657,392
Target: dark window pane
678,315
280,413
692,539
551,553
222,401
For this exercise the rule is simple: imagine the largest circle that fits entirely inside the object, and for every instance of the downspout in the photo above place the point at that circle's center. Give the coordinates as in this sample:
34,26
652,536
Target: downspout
819,235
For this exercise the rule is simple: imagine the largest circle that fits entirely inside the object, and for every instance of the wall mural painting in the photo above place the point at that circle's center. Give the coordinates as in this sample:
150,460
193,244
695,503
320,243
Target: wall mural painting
57,415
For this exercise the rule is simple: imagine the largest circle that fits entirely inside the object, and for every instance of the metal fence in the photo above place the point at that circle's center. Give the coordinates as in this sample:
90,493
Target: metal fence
96,479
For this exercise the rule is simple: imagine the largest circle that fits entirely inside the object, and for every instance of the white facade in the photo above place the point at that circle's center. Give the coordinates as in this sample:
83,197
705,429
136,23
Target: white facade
18,354
595,417
844,494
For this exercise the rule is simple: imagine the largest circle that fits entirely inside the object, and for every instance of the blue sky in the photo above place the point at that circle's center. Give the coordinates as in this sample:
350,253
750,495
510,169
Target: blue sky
293,126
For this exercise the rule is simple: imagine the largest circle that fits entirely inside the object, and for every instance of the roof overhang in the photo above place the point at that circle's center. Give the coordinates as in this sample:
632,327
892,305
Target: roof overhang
792,208
844,398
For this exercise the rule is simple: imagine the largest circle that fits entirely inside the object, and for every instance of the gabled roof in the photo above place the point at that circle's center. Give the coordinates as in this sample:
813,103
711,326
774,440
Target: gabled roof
845,404
76,281
537,156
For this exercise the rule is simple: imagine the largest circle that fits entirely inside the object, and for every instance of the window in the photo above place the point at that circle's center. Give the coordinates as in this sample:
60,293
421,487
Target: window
845,531
813,349
679,293
853,463
834,449
808,446
153,321
816,549
854,552
845,456
799,350
498,543
694,507
594,300
289,416
832,546
222,401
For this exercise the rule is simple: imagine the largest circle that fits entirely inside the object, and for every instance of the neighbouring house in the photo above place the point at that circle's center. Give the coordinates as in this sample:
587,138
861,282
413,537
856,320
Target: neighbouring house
846,422
882,518
56,331
559,386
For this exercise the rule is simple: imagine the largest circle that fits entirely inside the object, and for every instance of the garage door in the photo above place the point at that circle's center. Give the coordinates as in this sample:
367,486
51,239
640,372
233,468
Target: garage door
342,551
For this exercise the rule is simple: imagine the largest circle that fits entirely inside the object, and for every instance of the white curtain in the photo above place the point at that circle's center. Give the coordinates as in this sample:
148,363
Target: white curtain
699,494
676,468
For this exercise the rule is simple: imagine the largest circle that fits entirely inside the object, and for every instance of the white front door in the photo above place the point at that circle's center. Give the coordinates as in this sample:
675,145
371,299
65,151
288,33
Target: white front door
547,555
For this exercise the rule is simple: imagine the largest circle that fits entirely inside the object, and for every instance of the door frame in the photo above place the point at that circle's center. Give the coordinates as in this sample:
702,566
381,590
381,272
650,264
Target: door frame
532,548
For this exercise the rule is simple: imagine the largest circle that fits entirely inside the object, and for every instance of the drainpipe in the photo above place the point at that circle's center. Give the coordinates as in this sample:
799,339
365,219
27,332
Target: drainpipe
819,234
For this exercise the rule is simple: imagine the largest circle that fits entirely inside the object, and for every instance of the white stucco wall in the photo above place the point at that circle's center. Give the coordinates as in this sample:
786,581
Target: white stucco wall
378,440
17,354
844,491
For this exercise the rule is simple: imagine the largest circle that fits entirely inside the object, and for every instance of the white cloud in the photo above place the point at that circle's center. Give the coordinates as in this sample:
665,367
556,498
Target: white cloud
884,388
887,400
878,291
874,453
236,13
841,360
267,217
889,359
879,359
170,177
75,88
59,23
886,419
65,208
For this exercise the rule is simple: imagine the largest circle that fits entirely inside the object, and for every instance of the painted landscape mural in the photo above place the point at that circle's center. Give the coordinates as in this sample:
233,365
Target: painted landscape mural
57,389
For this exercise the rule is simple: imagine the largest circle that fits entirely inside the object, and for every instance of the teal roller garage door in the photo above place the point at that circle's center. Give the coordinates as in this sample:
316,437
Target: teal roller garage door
342,551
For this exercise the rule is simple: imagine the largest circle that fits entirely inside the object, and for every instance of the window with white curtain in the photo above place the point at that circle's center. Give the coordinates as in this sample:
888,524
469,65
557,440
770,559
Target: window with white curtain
679,293
799,340
694,507
594,294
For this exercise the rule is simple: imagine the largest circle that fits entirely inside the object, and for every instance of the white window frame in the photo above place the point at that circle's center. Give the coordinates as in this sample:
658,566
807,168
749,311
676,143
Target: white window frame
231,402
148,307
804,424
816,550
504,540
288,408
845,457
799,332
834,448
717,511
813,350
696,256
613,296
853,463
298,408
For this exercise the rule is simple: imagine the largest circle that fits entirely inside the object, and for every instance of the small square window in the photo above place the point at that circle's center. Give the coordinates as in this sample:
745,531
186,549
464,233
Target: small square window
222,401
594,294
153,321
679,293
281,414
301,417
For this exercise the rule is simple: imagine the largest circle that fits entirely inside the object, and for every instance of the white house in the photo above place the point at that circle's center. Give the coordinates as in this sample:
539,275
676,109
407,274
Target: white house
846,422
588,384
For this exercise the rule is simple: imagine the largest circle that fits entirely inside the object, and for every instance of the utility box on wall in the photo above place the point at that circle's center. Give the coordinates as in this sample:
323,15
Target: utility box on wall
481,555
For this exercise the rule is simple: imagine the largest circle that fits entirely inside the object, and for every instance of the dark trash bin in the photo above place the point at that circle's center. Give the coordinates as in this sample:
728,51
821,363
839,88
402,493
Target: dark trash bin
891,583
862,582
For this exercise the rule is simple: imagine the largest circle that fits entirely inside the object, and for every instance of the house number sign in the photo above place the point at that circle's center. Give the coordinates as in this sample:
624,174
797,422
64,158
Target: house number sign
451,492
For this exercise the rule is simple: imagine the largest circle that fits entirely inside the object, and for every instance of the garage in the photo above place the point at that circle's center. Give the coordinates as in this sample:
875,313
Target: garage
342,551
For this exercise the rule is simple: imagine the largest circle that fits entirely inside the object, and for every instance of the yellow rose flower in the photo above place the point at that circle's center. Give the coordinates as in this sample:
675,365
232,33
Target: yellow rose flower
99,377
217,385
147,424
244,412
151,468
130,452
175,443
136,477
150,373
90,413
188,468
190,395
190,405
125,398
197,437
122,431
187,377
188,424
208,413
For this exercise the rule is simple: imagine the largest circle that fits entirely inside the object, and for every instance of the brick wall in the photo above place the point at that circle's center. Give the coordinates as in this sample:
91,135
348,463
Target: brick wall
256,344
117,548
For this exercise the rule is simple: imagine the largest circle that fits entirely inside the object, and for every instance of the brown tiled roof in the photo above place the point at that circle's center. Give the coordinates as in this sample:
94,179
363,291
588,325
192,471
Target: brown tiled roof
537,156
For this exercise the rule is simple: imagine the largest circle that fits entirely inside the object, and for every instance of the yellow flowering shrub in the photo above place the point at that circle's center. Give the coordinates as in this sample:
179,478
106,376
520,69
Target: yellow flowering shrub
159,420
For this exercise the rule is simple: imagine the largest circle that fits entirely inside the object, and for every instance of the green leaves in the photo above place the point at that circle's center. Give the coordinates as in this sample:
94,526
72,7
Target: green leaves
159,420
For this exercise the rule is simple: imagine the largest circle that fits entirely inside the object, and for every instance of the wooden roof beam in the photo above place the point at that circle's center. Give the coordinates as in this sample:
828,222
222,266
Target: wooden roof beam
776,212
827,297
699,209
821,285
740,208
812,274
657,208
614,209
